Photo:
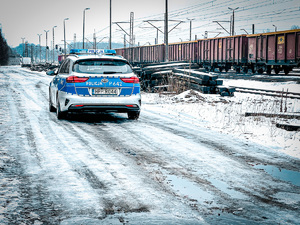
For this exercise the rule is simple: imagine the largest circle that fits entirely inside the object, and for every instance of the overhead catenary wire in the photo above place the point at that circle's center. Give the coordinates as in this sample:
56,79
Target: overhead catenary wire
204,13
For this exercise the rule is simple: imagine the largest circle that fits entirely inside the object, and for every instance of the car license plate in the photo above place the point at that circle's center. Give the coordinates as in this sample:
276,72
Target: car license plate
105,91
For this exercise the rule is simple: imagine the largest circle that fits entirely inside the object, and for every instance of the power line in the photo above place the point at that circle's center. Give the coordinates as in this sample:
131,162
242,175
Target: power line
208,14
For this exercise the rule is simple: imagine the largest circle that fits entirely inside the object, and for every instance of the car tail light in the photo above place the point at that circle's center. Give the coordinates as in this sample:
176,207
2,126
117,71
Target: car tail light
134,80
75,79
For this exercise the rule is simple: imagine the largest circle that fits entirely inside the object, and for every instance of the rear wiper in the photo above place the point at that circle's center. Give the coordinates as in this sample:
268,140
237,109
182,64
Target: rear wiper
110,72
108,64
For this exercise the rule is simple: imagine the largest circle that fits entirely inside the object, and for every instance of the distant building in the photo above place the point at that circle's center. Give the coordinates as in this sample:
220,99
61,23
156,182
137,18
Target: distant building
14,58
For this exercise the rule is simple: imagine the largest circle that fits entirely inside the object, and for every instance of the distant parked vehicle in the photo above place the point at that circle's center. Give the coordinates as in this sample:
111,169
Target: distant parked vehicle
26,62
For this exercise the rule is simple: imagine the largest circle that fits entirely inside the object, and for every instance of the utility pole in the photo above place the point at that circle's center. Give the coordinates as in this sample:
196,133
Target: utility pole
26,48
23,45
75,45
46,44
40,47
166,33
110,24
53,44
190,27
84,26
232,25
131,29
31,53
95,40
65,51
124,40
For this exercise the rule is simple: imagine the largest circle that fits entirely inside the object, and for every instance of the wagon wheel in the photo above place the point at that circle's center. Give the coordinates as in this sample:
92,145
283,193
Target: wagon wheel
260,71
286,70
245,70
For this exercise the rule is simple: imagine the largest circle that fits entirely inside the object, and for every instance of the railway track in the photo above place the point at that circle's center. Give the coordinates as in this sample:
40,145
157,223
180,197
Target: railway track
282,94
293,76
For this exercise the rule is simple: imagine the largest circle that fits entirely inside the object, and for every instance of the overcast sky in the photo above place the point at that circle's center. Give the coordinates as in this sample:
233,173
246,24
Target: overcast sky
31,17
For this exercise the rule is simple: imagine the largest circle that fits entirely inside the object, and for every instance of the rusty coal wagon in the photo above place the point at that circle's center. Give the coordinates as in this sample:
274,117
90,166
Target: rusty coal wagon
183,51
276,50
143,54
223,53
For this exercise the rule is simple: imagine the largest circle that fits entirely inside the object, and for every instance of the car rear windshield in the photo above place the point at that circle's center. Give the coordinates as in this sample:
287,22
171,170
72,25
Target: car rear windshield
101,66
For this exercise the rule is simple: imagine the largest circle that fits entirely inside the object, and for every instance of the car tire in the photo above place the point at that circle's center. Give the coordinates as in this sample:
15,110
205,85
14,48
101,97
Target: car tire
133,115
60,115
51,108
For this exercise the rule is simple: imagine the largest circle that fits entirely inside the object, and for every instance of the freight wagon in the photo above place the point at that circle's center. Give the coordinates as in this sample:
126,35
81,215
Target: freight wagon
276,50
183,51
143,54
259,52
223,53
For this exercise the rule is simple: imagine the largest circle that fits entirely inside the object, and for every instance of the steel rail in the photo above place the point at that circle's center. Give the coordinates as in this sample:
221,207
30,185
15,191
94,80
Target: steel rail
282,94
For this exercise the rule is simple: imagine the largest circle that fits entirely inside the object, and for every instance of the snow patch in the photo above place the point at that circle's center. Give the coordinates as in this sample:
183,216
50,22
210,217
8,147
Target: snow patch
227,114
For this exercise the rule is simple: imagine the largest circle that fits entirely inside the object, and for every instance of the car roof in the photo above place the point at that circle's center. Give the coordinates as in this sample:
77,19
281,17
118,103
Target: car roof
75,57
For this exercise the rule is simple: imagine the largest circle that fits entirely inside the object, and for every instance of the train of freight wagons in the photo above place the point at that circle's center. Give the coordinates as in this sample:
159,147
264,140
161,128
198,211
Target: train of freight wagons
264,52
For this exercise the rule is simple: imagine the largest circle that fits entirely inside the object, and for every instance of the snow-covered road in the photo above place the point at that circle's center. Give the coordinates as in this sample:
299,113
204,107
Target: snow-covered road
110,170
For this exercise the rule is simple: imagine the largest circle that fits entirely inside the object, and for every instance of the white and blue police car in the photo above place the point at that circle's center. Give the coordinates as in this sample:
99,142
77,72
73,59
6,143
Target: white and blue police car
95,81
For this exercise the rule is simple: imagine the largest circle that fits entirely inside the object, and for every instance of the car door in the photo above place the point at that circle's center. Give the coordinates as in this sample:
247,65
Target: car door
55,82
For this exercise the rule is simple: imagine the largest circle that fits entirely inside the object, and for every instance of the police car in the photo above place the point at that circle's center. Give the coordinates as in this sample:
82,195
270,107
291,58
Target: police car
95,81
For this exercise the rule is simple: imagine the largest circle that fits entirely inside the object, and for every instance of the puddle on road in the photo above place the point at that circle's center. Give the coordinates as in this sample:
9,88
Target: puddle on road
190,189
282,174
193,190
224,187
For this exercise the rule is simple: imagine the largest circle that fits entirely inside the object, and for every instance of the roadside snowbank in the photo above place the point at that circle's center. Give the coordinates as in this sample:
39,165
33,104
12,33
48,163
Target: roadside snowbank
227,114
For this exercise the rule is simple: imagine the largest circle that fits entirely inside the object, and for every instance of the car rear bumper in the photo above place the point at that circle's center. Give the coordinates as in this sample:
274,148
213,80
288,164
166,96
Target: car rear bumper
104,108
75,103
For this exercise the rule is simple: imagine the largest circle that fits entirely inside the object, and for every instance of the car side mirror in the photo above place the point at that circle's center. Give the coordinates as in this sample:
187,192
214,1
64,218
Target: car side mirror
52,72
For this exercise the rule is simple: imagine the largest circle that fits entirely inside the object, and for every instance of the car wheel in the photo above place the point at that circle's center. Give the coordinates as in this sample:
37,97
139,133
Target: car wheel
133,115
59,113
51,108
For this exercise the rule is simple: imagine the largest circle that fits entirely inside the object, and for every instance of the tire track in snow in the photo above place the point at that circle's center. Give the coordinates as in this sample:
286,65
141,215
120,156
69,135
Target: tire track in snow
77,165
126,177
262,195
37,150
21,145
142,152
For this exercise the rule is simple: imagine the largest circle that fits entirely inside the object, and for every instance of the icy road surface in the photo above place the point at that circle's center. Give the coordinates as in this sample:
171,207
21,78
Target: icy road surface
110,170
